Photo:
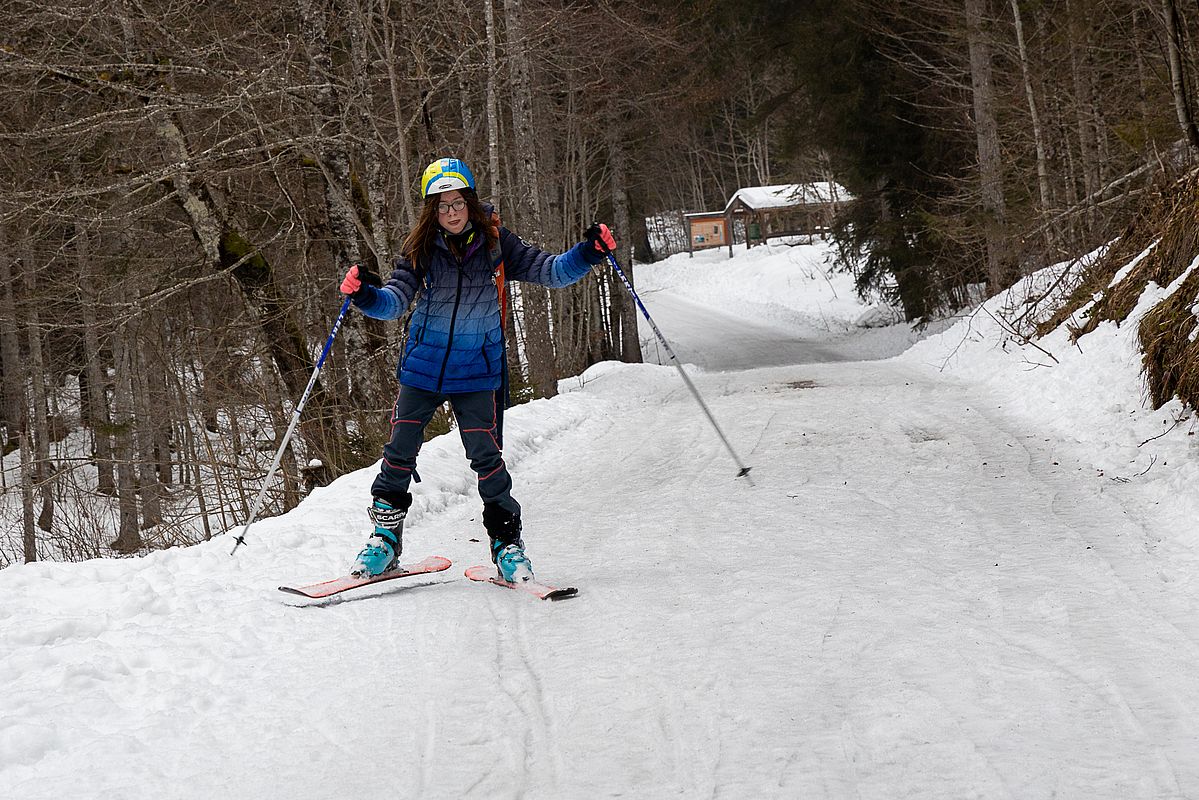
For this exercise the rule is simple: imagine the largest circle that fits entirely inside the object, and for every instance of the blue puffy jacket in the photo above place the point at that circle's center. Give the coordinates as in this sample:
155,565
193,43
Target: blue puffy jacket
455,337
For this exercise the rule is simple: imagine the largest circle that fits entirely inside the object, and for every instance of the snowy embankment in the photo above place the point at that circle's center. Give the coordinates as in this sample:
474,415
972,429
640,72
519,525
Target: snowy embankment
1089,398
780,305
787,286
928,592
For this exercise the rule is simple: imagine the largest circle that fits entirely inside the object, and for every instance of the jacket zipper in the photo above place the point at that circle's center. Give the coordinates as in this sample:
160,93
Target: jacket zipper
453,321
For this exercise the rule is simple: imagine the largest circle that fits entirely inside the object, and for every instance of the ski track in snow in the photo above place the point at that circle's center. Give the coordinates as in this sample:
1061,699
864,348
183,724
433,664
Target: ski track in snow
912,601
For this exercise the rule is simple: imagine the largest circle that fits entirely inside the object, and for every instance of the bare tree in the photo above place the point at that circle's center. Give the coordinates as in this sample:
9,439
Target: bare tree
1046,200
129,539
10,349
29,532
543,374
43,468
990,161
1178,87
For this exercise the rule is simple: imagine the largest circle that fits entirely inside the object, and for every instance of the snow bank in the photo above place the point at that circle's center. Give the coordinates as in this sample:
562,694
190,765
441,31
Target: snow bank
1090,395
786,285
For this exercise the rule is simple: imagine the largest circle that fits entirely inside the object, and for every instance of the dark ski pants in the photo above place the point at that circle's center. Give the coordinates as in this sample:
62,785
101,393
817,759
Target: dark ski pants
480,423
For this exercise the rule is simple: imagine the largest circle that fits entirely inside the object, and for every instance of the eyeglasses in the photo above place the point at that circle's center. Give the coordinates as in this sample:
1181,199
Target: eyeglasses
457,205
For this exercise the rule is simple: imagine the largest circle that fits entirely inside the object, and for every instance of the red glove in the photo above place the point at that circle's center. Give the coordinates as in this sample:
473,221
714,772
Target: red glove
600,235
352,282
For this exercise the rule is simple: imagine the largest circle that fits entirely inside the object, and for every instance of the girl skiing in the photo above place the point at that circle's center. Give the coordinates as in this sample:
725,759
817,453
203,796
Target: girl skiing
454,262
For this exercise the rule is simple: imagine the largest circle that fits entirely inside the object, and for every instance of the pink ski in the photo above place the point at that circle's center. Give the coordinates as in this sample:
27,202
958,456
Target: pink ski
543,591
338,585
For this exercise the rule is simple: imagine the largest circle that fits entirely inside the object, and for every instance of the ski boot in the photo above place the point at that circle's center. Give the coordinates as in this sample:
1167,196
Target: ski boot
507,548
382,550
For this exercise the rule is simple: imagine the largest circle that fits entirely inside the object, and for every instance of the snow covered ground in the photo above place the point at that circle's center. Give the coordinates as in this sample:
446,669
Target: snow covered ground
958,573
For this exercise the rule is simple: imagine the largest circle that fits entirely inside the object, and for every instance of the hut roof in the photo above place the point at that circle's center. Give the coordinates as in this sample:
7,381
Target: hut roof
786,195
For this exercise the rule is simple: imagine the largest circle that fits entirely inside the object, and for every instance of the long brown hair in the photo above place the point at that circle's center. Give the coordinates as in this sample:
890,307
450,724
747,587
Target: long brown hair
420,240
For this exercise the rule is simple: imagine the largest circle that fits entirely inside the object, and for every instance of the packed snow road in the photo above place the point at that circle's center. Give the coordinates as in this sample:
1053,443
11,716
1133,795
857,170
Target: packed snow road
916,598
716,339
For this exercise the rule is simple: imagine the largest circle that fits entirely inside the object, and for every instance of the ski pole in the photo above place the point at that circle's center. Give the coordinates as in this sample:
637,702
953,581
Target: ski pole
295,418
743,471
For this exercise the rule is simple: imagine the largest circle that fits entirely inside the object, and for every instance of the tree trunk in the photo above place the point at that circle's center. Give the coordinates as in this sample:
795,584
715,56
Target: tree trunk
129,538
332,152
390,59
990,164
163,420
358,17
146,420
1038,132
97,377
44,470
1144,81
493,125
362,336
624,311
543,372
28,529
464,71
1182,105
15,403
1088,151
539,346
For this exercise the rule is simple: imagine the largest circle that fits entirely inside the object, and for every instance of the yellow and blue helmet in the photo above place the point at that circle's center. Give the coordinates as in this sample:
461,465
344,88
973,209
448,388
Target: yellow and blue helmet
445,174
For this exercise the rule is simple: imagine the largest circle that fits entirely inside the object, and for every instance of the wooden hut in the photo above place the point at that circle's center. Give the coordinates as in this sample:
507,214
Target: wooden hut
793,209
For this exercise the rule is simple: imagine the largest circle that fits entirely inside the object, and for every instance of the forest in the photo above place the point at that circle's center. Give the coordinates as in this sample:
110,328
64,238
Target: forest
183,185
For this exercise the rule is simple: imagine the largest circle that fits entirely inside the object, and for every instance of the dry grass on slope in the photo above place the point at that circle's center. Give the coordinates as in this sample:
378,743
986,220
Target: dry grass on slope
1167,332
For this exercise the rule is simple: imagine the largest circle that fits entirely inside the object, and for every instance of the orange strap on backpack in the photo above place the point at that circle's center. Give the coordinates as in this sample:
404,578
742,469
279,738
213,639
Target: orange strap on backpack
497,264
